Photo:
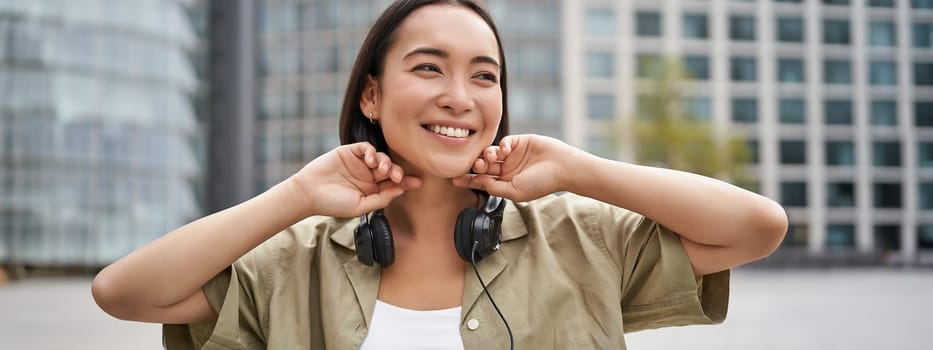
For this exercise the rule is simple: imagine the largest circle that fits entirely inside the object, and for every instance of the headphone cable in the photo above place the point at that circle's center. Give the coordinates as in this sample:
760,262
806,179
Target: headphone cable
473,263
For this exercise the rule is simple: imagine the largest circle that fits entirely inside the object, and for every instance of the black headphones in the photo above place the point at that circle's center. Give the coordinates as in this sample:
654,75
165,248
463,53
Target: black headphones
475,227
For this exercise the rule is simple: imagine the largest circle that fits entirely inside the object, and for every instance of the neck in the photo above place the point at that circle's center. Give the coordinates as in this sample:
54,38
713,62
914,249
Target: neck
431,210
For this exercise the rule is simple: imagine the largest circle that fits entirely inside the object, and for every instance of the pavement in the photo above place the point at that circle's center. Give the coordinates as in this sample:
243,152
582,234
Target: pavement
769,309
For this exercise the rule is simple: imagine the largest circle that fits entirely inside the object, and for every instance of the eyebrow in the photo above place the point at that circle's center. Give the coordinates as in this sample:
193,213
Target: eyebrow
443,54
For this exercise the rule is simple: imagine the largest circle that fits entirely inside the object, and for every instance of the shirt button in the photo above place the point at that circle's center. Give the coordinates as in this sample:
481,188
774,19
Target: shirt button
473,324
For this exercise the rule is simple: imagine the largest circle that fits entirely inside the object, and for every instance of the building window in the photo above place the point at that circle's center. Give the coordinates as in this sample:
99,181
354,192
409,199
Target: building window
797,235
649,66
887,195
744,110
326,103
840,194
840,236
742,28
753,150
790,70
837,72
882,34
881,3
279,18
836,32
926,195
840,153
790,1
534,61
743,69
695,26
324,59
923,35
600,21
882,73
292,147
923,113
648,24
794,194
835,2
600,106
925,236
886,153
599,64
793,152
697,67
838,112
922,4
647,107
791,111
925,154
321,15
883,113
923,74
698,108
790,29
888,237
600,146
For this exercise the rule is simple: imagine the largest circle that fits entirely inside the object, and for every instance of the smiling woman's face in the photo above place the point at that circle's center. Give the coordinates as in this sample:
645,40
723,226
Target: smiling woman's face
438,101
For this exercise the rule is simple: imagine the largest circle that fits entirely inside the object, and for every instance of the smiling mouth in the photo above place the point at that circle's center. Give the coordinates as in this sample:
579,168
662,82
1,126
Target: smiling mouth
449,131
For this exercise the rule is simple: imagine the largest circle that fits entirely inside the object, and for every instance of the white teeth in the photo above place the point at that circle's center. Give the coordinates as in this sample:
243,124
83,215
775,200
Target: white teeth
450,131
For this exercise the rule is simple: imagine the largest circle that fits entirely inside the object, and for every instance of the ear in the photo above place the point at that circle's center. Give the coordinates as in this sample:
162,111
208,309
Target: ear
369,99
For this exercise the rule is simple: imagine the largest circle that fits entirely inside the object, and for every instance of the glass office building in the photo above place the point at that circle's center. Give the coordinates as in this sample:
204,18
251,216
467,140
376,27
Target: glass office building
836,97
101,147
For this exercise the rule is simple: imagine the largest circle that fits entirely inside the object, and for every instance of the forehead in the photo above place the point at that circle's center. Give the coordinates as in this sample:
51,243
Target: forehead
453,28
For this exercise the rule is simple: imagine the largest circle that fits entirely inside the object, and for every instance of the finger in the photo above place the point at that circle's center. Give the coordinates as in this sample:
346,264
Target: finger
382,166
491,154
506,146
410,183
493,186
480,166
359,149
362,150
396,174
463,181
382,198
494,169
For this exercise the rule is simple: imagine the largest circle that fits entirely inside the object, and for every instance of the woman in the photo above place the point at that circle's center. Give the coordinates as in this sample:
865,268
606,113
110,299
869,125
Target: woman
422,131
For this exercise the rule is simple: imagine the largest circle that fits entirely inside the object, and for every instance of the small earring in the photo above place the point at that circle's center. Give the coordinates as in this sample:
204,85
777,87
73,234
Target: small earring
371,120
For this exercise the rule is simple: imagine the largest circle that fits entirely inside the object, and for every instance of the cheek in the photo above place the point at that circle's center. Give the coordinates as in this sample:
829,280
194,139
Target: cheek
492,108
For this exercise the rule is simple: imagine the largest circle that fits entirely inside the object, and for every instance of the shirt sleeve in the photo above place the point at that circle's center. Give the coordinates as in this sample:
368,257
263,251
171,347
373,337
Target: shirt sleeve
232,294
659,288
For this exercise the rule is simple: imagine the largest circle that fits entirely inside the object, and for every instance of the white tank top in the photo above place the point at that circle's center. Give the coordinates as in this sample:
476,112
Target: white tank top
393,327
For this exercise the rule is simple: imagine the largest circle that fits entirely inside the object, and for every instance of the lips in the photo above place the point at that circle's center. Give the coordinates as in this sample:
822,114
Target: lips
449,131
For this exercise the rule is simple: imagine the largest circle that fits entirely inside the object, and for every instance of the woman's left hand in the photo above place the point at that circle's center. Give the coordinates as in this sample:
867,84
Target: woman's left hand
522,167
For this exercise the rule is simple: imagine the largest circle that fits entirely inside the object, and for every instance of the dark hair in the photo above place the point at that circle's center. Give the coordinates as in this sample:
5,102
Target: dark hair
354,125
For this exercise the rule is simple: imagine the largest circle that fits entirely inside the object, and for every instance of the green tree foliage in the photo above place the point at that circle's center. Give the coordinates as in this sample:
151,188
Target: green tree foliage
666,133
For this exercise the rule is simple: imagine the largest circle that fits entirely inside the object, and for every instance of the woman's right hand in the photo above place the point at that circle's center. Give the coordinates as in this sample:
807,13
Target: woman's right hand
351,180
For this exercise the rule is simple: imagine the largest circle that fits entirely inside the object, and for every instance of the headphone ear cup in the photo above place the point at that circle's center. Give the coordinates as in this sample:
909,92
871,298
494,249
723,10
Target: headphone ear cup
463,234
382,246
364,243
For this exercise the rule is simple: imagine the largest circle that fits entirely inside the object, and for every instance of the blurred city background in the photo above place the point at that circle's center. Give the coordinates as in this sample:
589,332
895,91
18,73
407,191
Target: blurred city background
123,119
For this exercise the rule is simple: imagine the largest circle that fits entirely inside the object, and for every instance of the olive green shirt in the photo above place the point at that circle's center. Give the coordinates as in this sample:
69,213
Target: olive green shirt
572,273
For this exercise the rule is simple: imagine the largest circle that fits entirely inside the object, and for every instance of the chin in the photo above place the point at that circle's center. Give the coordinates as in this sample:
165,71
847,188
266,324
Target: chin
449,170
449,173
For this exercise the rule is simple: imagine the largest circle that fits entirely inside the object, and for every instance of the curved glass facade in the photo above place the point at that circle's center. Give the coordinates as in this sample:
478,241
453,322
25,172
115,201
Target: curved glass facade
100,146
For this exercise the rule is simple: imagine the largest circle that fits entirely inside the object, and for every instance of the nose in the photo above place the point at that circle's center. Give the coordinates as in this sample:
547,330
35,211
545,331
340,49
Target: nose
456,97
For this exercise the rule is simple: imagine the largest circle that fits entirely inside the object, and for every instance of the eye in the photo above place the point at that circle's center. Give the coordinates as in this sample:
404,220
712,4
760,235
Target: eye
488,76
426,68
